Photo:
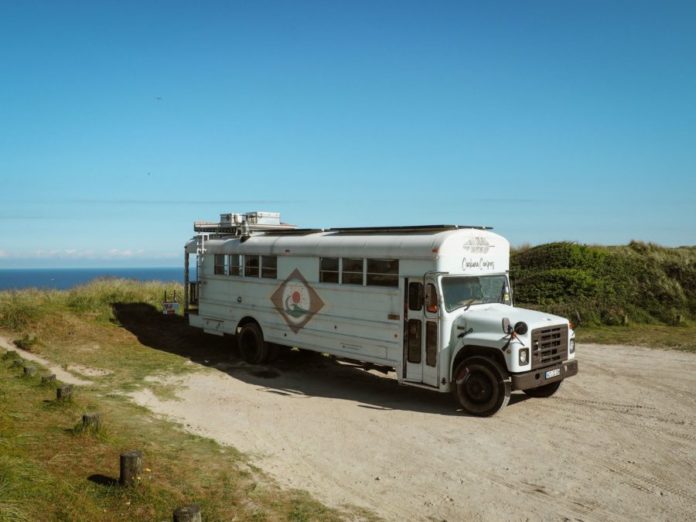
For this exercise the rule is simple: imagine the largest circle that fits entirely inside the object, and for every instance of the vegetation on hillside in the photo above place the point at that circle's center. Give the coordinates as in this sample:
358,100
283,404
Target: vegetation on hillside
23,308
608,285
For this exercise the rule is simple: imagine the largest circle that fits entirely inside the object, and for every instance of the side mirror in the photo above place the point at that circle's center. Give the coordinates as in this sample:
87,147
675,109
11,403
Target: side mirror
507,327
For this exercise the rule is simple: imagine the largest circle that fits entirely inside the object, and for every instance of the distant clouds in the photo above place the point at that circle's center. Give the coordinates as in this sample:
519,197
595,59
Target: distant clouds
4,254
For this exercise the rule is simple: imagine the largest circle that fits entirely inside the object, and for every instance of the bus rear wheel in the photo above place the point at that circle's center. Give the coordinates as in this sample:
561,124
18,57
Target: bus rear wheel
251,344
481,386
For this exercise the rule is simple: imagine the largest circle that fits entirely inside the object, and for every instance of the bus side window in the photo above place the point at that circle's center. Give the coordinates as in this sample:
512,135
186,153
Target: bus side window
220,264
431,299
234,265
269,267
251,266
413,340
415,296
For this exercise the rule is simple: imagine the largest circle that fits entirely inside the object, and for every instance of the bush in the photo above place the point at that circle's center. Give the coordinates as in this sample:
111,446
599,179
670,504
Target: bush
641,282
21,309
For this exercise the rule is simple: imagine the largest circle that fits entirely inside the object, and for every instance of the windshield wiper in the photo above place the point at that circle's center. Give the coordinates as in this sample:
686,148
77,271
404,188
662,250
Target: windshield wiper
469,303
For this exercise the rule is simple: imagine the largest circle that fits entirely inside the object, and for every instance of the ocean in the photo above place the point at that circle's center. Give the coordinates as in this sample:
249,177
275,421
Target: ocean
63,278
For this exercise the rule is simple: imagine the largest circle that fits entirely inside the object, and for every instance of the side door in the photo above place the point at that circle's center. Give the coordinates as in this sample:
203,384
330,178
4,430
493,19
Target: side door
421,335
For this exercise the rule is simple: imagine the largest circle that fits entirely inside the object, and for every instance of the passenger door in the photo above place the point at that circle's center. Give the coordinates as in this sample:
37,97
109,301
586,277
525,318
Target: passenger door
421,331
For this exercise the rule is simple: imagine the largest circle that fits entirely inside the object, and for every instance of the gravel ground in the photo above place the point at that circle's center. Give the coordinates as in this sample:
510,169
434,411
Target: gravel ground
617,442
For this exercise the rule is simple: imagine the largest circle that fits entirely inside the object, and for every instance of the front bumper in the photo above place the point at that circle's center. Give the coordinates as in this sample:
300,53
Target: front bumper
536,378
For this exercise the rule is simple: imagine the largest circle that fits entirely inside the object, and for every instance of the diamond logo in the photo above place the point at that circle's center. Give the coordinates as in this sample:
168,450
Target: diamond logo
296,301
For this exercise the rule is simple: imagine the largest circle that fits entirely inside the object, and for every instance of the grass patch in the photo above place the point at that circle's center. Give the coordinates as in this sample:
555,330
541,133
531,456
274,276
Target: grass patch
681,338
52,468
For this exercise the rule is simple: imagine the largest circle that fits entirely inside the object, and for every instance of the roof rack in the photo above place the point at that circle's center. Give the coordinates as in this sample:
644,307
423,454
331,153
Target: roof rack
293,232
211,227
413,229
268,223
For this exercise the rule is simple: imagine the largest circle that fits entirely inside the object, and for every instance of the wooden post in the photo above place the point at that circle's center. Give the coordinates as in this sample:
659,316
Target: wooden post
64,392
131,467
48,379
190,513
29,371
91,422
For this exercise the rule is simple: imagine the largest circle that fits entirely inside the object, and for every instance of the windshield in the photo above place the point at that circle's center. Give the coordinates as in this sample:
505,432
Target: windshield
465,291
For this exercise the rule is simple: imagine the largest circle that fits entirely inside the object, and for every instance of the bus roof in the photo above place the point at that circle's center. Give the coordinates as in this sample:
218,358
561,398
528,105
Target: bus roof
419,242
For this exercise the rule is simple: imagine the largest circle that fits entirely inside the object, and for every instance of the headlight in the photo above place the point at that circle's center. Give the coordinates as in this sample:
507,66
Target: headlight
523,356
571,348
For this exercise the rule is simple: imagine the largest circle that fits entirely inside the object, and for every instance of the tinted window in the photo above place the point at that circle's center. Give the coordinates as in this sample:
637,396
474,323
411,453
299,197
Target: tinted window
220,264
234,263
251,266
383,272
415,296
431,343
269,267
328,270
352,273
414,341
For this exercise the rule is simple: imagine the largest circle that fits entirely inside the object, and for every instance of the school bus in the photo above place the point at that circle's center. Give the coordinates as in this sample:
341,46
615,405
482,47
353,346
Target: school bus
433,303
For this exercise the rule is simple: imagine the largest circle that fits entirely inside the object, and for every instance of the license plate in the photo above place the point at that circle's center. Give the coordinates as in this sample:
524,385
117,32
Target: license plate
552,373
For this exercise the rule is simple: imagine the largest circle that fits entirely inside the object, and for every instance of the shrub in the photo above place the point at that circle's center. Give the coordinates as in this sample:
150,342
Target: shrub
643,282
21,309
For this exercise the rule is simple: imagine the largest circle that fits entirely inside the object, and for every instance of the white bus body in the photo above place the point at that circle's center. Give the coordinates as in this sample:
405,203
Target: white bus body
433,303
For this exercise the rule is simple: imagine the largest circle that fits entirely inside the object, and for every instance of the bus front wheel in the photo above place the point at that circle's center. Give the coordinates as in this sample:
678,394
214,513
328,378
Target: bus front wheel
481,386
251,344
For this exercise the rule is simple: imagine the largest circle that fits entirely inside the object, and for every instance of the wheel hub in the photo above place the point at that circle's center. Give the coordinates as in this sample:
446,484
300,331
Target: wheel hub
478,388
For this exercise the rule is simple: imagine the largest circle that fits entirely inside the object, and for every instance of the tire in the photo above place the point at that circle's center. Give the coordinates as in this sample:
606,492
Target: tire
481,386
547,390
252,347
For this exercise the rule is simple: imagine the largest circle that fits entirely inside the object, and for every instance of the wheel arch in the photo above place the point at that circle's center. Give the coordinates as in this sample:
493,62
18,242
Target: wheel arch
246,320
469,350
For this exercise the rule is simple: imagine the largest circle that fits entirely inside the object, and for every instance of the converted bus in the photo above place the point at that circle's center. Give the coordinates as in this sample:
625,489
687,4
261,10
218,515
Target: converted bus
433,303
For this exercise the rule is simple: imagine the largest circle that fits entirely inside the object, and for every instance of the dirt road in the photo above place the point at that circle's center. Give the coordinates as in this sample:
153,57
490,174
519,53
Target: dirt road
618,441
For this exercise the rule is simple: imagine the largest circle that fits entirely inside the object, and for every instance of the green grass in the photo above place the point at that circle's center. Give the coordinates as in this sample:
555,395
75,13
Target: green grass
650,335
51,469
608,285
21,309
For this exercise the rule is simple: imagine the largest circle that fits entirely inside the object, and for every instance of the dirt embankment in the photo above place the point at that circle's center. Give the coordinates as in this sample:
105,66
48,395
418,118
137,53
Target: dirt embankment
617,442
60,373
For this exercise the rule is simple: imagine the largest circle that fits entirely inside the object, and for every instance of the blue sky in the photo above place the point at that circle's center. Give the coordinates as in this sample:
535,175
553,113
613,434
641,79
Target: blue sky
123,122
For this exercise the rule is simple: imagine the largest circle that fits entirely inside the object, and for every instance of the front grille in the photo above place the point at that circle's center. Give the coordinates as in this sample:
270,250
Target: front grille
549,346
